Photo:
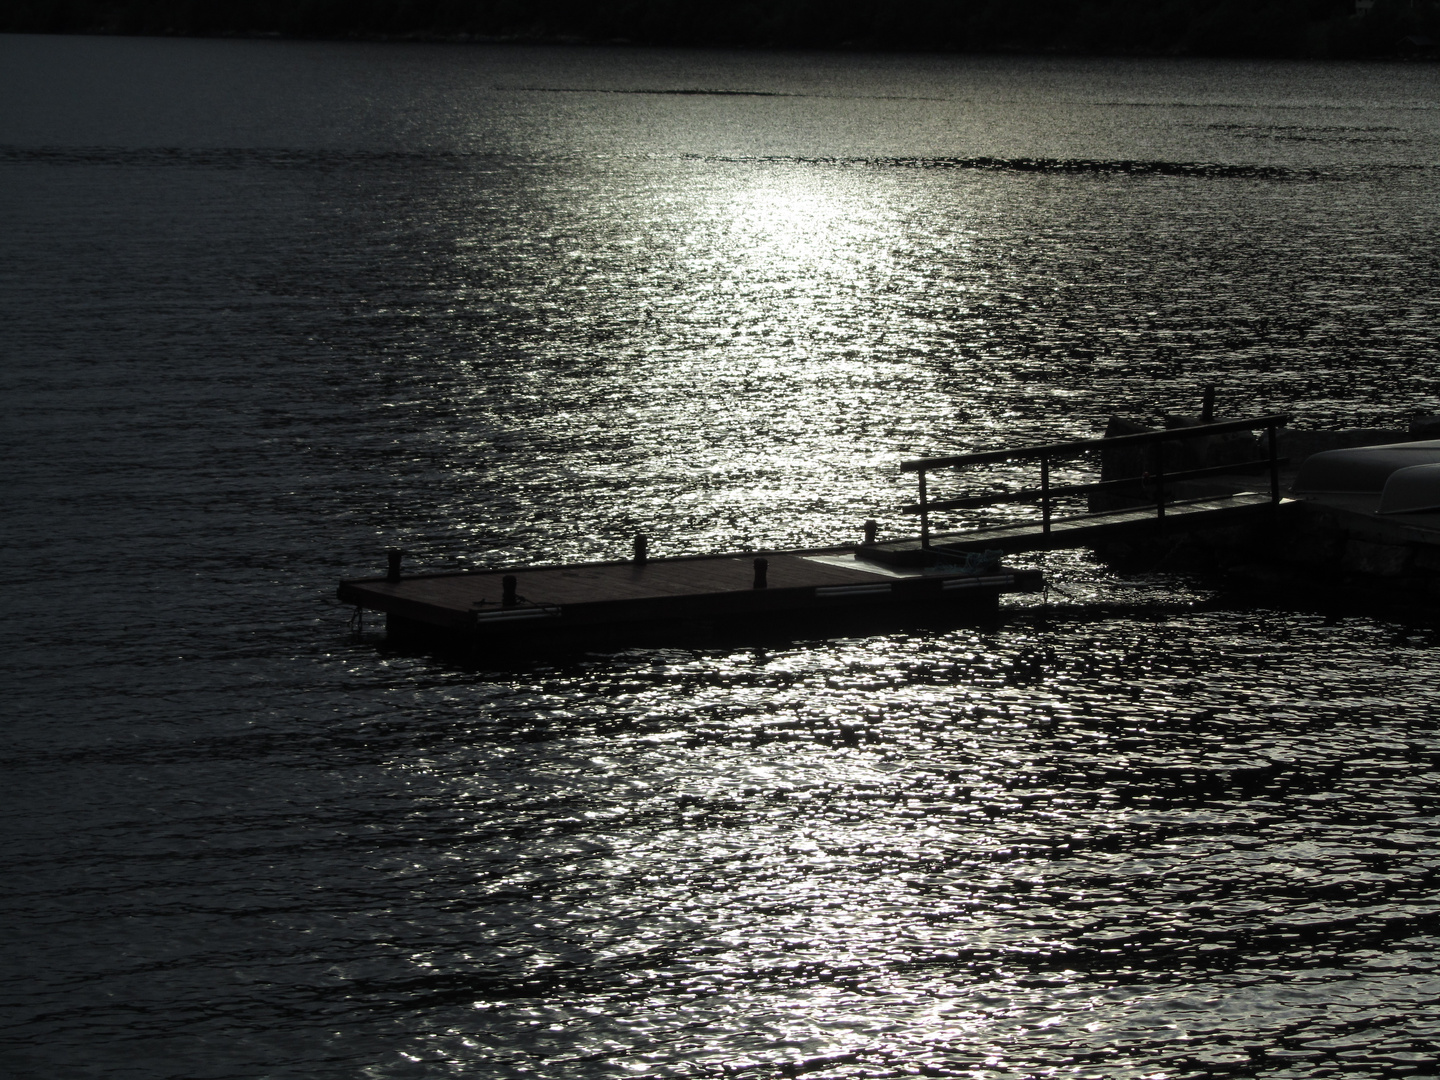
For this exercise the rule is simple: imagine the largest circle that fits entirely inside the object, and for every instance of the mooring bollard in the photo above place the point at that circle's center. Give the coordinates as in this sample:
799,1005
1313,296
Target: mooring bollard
871,529
761,566
641,544
507,591
393,572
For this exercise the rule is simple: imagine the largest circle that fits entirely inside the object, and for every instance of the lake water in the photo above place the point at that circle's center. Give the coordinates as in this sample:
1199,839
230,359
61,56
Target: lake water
267,308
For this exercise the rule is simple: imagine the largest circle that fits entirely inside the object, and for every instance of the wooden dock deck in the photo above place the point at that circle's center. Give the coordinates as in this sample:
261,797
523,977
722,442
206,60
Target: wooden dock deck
739,590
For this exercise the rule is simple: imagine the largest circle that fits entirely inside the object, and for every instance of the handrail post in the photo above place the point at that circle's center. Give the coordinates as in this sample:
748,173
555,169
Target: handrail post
1045,493
1274,463
924,514
1160,480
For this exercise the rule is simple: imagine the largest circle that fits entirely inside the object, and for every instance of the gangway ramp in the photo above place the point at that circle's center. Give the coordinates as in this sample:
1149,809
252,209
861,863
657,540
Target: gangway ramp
1155,454
1085,530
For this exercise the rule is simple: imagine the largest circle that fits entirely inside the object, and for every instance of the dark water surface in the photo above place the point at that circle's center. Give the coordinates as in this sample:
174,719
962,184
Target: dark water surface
267,308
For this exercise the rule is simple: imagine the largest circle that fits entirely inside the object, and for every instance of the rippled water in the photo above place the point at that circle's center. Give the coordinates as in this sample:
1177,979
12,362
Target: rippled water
270,307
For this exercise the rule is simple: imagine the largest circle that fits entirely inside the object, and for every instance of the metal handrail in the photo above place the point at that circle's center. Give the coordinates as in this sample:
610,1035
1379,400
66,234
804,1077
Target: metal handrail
1068,449
1045,494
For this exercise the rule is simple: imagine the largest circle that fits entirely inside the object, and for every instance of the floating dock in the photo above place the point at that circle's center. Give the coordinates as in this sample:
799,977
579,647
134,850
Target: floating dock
945,574
732,592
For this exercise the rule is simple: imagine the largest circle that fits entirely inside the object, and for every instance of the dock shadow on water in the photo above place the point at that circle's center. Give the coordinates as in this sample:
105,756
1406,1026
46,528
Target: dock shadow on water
779,631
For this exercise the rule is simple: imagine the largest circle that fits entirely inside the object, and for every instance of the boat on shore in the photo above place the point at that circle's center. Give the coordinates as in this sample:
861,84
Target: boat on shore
1414,489
1360,520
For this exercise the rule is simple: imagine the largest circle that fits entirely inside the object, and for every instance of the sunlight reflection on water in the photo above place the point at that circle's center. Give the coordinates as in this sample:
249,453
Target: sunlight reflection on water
987,832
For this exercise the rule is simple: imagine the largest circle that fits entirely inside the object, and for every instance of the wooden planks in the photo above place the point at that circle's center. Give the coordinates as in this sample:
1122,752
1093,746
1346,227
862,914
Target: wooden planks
618,581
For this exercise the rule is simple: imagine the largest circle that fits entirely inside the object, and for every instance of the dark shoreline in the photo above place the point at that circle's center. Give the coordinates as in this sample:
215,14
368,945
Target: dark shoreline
1318,30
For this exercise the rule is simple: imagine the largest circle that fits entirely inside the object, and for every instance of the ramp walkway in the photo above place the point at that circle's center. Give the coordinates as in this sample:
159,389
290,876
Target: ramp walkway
1149,491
